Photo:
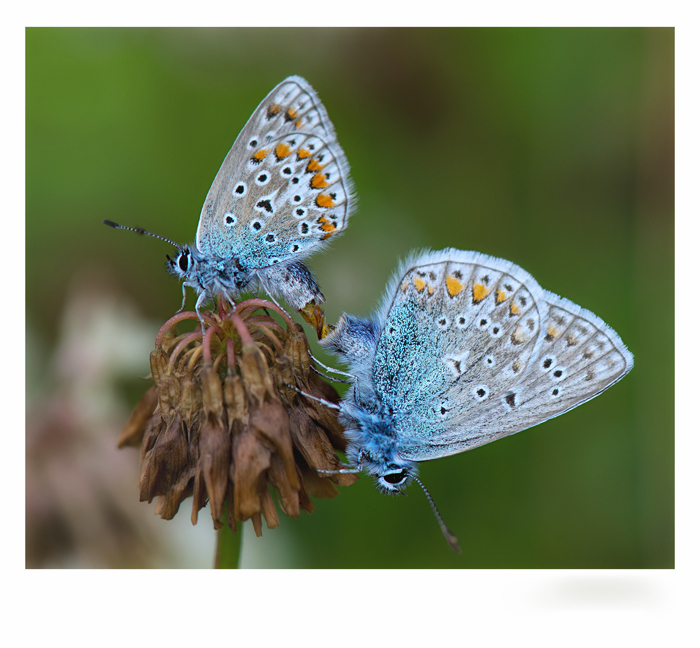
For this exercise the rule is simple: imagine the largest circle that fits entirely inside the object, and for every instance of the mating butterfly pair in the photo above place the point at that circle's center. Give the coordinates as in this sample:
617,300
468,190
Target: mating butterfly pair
464,349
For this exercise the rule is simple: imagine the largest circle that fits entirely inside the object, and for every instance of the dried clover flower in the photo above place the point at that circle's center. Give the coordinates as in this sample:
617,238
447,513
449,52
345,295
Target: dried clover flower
221,422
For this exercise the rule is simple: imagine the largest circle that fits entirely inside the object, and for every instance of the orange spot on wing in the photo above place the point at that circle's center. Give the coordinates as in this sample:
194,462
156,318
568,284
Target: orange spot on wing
514,308
303,153
404,286
500,296
551,332
324,200
290,114
431,290
314,165
480,292
326,225
282,151
418,283
260,155
454,285
319,181
273,110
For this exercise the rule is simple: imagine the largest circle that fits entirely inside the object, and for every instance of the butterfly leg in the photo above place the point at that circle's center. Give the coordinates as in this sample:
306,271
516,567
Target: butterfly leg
272,298
323,401
184,297
331,378
200,301
332,370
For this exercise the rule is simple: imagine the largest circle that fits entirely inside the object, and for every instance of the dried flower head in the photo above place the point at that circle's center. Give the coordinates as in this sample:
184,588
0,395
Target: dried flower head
223,420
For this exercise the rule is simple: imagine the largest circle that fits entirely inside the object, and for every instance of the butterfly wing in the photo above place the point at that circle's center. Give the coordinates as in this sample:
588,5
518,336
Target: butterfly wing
473,349
284,188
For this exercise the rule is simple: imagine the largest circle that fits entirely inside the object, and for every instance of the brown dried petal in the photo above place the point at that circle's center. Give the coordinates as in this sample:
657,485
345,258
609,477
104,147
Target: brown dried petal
190,402
305,502
199,496
271,426
212,393
296,348
279,478
162,466
159,365
230,518
268,509
316,485
257,524
133,433
235,403
169,503
266,413
169,393
214,459
326,418
256,376
251,461
310,441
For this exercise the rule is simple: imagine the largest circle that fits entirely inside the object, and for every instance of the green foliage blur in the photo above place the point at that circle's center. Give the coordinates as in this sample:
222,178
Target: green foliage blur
552,148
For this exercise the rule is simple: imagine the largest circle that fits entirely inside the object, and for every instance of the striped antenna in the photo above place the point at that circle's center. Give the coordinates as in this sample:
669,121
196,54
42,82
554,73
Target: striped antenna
140,230
449,536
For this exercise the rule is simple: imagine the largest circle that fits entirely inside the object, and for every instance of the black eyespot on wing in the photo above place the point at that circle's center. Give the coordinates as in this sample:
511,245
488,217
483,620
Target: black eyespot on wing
265,204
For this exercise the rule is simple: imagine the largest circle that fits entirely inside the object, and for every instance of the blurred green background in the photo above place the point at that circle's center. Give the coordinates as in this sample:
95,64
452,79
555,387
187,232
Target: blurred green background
552,148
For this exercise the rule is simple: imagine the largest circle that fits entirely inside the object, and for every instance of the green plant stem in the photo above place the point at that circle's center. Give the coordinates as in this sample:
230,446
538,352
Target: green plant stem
228,545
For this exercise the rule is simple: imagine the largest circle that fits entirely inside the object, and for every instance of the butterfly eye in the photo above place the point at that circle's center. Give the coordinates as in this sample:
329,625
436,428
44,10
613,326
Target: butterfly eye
395,477
184,261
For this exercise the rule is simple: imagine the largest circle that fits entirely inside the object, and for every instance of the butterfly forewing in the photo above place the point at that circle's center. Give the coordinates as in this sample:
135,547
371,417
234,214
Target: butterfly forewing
284,188
496,353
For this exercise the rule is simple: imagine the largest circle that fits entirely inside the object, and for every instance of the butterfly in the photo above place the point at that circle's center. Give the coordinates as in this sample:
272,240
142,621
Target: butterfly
283,191
464,349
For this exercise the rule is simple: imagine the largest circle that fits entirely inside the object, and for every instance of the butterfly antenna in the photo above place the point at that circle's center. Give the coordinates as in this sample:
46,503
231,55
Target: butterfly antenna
449,536
140,230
